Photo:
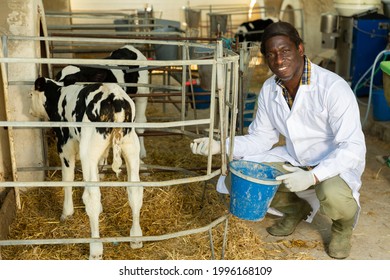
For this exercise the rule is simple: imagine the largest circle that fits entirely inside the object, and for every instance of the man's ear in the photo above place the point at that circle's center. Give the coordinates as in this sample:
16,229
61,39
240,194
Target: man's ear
301,49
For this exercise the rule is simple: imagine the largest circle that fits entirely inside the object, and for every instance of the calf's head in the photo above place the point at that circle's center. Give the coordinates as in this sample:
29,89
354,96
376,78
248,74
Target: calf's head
39,98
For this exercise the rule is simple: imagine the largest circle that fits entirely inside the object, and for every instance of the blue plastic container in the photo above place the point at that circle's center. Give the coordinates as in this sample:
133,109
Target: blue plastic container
249,111
166,52
381,110
253,188
201,101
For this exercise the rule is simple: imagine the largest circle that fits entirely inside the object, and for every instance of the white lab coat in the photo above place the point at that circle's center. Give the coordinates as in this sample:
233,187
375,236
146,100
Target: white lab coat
322,129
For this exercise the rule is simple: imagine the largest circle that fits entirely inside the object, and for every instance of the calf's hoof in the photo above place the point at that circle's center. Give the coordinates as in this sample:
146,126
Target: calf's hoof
95,257
96,251
64,217
136,245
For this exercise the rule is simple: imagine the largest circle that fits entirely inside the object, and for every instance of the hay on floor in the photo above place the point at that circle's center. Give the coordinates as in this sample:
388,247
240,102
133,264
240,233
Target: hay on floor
165,210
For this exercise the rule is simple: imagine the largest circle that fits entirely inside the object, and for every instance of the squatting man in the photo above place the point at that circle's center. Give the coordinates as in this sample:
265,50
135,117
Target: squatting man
318,115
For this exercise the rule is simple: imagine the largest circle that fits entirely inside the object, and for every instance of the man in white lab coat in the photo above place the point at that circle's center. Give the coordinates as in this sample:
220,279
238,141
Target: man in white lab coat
317,113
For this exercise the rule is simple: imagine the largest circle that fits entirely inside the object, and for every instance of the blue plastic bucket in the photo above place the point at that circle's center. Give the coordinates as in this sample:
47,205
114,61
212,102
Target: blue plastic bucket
253,188
381,110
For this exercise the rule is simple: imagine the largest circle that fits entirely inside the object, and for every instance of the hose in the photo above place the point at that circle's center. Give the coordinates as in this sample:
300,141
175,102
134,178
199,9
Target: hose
361,84
373,71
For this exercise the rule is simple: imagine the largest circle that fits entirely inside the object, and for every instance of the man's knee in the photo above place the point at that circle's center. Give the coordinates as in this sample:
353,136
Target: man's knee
336,199
328,189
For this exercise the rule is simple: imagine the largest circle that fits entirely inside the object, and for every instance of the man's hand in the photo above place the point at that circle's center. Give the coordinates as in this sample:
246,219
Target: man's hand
298,180
200,146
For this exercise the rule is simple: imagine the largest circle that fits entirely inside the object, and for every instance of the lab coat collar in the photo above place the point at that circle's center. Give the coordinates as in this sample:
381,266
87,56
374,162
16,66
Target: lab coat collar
277,91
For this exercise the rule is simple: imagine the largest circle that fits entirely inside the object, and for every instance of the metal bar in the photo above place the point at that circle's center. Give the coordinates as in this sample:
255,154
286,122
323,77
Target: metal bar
143,167
178,41
220,59
42,20
37,124
224,242
183,88
234,111
105,61
222,92
211,244
115,239
10,132
88,184
90,13
124,35
174,88
110,26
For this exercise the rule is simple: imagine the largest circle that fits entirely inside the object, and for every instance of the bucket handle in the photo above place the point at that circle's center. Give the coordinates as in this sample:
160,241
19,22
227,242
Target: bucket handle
254,180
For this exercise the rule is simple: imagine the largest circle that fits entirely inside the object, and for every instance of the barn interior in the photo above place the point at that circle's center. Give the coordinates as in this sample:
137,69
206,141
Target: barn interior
203,83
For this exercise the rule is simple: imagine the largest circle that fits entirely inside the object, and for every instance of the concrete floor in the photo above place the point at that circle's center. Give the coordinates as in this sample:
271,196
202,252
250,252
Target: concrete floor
371,237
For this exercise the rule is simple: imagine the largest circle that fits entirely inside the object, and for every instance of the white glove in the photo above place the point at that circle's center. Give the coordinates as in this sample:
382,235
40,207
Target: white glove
200,146
298,180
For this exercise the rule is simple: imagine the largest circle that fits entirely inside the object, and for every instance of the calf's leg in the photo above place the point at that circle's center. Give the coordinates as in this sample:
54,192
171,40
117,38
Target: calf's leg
130,151
68,166
140,117
92,196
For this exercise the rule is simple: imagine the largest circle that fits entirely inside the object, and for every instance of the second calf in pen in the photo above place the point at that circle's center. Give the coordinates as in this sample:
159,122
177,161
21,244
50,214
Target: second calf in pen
116,74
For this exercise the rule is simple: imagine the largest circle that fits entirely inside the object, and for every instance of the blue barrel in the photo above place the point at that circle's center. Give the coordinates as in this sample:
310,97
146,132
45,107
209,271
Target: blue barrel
249,108
201,101
381,110
253,188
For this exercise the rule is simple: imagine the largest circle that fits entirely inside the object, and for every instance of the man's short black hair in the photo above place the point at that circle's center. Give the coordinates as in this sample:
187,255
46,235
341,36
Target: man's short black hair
280,28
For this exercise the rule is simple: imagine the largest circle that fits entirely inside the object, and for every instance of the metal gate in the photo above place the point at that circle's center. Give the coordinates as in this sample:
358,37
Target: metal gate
222,117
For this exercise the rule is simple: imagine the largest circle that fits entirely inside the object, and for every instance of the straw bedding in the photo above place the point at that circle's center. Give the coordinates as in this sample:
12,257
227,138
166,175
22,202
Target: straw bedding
165,210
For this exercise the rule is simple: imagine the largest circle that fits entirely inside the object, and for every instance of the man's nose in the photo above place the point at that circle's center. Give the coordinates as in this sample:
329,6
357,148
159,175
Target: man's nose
279,58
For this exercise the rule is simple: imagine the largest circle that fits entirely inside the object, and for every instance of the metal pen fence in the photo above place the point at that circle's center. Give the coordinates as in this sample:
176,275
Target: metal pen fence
222,117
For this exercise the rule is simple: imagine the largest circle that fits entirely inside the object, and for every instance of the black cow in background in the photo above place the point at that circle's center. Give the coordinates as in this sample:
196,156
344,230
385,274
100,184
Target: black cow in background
252,31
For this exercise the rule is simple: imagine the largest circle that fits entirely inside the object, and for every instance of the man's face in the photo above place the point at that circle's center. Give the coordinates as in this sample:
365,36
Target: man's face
284,58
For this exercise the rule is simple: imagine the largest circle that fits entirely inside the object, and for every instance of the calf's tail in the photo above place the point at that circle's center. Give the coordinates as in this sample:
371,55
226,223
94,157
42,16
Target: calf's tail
116,150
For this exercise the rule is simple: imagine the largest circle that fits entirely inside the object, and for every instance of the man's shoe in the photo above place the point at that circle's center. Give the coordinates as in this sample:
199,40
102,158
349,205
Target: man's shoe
340,244
290,221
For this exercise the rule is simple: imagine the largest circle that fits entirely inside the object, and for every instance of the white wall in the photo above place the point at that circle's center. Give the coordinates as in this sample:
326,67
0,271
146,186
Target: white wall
166,9
173,10
21,18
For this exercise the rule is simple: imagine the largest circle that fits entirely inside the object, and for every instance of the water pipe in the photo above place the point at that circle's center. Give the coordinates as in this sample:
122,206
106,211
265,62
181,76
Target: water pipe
372,69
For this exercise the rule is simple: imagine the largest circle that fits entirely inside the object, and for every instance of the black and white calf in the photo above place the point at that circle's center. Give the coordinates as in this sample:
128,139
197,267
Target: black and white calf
91,103
123,74
252,31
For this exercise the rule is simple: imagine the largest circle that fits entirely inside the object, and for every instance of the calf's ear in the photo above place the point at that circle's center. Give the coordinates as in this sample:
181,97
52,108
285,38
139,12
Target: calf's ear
40,84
